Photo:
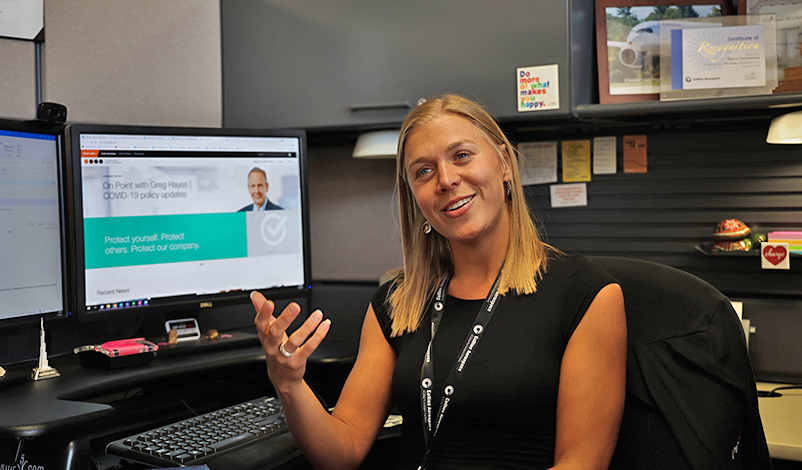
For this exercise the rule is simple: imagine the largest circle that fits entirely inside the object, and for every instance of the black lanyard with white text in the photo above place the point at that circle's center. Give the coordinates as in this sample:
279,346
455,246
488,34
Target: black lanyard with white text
430,426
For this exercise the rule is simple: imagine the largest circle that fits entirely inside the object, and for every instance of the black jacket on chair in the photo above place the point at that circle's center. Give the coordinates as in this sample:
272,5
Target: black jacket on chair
690,385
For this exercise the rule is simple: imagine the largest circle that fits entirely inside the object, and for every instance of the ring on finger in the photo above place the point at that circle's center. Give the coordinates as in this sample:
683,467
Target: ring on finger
284,351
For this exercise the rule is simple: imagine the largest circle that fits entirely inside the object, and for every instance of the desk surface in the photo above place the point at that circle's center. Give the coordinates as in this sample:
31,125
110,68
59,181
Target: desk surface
782,421
32,409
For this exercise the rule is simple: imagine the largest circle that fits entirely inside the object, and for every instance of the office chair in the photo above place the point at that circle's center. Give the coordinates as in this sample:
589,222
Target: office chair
691,399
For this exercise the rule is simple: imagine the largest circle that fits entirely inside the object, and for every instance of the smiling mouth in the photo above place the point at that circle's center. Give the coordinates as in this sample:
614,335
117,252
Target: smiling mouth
459,203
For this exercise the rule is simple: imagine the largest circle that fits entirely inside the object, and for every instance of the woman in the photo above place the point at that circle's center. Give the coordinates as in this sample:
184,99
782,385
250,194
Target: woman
540,385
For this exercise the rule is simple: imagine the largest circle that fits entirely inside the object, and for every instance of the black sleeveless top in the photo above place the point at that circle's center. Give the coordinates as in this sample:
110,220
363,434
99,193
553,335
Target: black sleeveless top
503,413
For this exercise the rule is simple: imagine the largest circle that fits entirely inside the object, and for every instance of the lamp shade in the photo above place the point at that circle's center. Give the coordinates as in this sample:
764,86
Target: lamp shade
377,144
786,129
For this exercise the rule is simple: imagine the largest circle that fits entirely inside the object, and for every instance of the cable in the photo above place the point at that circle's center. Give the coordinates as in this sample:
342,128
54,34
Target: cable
185,403
786,387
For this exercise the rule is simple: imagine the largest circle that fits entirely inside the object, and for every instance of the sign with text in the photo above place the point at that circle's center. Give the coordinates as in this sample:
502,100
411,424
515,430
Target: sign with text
539,164
538,88
569,195
635,154
727,57
775,256
576,160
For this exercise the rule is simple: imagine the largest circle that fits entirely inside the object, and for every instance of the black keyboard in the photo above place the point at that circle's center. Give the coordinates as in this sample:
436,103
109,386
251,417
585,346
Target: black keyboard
197,440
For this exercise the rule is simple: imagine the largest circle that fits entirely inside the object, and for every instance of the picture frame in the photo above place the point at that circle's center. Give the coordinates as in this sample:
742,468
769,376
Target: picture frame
789,27
753,7
632,74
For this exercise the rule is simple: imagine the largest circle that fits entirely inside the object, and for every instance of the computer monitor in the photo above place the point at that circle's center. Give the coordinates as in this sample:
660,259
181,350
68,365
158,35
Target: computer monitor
164,218
33,279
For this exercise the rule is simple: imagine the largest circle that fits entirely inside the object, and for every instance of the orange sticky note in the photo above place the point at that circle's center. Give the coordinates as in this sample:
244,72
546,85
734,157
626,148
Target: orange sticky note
635,154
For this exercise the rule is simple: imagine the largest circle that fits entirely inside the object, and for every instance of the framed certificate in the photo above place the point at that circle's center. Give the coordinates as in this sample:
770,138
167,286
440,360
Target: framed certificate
628,43
717,57
788,15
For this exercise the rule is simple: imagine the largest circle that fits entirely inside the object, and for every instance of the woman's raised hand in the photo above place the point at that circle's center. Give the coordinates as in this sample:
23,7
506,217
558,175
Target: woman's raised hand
286,355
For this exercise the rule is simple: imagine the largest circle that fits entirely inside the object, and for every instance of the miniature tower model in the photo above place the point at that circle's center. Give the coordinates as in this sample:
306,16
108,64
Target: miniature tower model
44,371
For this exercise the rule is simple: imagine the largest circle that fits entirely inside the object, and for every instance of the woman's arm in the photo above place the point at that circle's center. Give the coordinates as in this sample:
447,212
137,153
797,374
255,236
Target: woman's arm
343,439
592,385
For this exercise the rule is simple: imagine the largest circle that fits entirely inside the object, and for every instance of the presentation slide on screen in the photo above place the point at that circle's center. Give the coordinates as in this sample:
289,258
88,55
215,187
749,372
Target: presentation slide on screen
30,234
162,226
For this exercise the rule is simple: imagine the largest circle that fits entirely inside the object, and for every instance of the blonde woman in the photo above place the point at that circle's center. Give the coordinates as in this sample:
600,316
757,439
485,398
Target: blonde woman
499,351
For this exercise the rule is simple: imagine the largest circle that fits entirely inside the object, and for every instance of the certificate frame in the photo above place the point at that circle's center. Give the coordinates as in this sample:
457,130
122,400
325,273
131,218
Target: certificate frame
668,90
603,37
752,7
789,25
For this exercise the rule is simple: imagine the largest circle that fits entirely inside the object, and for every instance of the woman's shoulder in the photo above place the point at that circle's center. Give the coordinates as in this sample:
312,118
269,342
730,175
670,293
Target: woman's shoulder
561,265
381,305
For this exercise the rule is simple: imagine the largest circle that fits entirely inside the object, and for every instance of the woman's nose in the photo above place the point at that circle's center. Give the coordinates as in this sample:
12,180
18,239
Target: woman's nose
448,177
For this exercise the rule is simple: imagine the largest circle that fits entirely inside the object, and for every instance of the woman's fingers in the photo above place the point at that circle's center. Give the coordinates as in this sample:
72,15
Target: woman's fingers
277,333
297,338
273,331
264,313
314,341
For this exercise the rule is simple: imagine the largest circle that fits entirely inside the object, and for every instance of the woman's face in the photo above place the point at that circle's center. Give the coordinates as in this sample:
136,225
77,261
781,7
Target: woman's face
457,178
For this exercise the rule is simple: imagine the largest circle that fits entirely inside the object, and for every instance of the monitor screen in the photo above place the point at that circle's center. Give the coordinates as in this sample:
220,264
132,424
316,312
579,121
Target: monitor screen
32,278
181,219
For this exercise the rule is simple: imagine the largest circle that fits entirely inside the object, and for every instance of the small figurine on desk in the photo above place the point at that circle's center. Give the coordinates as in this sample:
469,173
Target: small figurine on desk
44,371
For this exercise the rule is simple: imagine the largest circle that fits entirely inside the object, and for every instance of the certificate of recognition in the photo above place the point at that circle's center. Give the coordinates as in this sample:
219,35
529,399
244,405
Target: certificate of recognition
721,57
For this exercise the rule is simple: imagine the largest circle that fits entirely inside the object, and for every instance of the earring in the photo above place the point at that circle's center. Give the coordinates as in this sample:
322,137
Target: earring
508,185
427,227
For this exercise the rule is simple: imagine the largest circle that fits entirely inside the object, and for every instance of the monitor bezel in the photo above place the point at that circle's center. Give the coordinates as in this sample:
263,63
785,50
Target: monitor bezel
62,179
191,303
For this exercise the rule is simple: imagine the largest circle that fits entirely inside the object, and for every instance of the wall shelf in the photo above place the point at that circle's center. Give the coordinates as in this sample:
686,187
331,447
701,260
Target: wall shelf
696,110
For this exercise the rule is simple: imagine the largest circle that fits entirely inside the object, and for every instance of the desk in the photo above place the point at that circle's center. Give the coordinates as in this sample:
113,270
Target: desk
782,422
86,408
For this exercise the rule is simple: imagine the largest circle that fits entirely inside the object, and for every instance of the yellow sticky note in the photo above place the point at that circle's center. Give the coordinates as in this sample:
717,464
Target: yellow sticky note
576,160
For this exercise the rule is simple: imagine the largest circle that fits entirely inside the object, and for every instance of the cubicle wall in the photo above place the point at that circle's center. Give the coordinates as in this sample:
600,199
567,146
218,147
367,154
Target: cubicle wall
18,99
697,177
145,62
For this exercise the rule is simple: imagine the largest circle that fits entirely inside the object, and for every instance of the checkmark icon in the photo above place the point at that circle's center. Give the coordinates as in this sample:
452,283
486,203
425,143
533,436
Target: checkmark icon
274,229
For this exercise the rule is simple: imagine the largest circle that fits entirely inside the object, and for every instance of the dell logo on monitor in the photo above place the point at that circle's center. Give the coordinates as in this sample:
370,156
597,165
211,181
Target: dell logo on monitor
205,304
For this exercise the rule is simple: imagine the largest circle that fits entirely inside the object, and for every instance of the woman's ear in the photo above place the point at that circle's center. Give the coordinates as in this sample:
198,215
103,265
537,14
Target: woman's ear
505,163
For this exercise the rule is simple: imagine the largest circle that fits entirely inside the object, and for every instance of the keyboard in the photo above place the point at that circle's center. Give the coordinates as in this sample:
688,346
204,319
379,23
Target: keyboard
197,440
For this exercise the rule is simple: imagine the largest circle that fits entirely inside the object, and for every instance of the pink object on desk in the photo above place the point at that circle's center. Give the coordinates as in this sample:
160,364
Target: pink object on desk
125,347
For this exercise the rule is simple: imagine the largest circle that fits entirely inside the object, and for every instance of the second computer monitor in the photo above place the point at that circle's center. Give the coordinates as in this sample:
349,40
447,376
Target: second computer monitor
32,234
178,218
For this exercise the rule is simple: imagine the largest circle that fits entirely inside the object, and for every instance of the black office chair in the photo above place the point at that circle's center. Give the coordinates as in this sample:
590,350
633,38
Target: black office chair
691,399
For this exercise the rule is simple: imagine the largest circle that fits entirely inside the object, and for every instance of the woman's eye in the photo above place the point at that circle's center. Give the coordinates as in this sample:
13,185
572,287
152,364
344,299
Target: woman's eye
422,171
462,155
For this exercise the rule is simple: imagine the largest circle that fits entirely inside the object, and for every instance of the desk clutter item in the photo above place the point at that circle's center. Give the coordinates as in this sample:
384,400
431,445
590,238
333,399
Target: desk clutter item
734,235
229,340
196,440
43,370
794,240
117,354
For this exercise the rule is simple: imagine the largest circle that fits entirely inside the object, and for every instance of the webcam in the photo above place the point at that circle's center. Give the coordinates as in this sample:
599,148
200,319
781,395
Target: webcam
51,113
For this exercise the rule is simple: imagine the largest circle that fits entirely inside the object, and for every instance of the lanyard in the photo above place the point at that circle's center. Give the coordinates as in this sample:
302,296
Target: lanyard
431,425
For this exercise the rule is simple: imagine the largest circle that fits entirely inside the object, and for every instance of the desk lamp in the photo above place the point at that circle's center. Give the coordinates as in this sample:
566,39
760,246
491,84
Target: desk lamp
786,129
377,144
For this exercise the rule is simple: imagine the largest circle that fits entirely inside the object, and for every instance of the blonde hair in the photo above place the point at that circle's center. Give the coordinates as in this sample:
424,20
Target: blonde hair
428,257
